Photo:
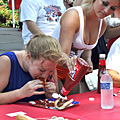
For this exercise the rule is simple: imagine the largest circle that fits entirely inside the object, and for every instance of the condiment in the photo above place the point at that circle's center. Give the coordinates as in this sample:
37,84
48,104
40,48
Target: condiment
74,78
101,70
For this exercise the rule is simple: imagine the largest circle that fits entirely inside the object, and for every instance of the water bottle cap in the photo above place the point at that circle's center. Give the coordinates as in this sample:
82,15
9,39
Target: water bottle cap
102,55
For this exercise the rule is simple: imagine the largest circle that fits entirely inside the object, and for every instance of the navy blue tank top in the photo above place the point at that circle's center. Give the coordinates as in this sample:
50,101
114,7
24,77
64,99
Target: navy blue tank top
18,78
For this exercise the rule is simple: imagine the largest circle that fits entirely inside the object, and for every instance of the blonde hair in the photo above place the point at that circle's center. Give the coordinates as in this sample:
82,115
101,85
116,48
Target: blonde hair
87,3
45,46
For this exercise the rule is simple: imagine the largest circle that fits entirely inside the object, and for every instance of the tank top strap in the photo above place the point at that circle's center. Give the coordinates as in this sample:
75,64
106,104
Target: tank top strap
100,26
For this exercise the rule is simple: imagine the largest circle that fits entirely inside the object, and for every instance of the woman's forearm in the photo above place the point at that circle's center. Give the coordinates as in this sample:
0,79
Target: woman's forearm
112,32
10,97
33,28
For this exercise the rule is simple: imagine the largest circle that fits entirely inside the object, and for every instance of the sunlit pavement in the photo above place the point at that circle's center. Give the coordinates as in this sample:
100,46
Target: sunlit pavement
10,39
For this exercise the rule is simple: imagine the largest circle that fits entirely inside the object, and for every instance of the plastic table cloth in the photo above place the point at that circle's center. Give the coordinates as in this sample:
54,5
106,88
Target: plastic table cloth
88,109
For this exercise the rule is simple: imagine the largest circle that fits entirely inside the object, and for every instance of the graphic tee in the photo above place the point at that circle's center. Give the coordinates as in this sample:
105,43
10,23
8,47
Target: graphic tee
45,13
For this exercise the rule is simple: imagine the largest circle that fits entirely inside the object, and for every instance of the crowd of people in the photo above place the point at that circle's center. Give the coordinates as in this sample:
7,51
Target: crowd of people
55,33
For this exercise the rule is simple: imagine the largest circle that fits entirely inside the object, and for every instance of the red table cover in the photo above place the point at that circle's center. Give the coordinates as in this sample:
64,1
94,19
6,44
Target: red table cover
87,110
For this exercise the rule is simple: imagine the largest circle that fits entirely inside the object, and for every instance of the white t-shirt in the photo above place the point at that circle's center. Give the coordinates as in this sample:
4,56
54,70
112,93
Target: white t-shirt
46,13
113,58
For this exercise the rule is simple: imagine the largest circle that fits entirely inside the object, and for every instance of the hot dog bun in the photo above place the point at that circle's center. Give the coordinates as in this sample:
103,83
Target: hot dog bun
61,104
23,117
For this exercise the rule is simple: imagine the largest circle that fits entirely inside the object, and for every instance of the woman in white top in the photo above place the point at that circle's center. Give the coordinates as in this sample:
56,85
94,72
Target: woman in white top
80,27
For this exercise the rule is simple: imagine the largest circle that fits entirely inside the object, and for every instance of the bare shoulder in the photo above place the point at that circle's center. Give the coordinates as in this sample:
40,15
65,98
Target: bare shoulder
4,63
70,19
4,71
70,15
4,59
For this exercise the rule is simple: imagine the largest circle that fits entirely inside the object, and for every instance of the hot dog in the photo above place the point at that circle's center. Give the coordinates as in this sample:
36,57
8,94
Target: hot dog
23,117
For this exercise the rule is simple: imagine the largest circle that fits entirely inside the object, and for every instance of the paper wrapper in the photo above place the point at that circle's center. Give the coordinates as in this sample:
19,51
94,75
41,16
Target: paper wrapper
49,103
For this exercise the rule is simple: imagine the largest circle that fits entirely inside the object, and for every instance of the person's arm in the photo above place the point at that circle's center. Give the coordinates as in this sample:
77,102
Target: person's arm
29,14
50,88
33,28
112,32
116,77
7,97
86,55
26,91
69,26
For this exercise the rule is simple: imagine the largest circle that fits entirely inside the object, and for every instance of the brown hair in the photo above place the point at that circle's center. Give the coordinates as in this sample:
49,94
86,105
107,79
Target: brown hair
45,46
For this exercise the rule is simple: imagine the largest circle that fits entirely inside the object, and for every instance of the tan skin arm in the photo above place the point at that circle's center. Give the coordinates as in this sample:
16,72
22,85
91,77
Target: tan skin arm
26,91
4,71
116,77
4,79
68,29
33,28
86,55
112,32
69,26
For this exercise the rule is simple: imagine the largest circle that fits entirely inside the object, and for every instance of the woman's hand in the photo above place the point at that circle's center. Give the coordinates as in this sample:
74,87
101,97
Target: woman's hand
71,63
89,70
50,88
30,88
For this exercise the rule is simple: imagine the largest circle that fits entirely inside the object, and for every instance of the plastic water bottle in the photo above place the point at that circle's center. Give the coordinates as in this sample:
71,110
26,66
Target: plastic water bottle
106,91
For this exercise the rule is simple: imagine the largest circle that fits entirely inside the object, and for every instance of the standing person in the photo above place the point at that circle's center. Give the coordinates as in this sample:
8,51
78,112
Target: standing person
19,70
112,32
100,48
113,62
40,16
80,28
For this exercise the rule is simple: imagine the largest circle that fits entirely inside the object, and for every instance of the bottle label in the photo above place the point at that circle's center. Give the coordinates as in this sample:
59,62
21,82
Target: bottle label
106,86
64,91
73,75
101,62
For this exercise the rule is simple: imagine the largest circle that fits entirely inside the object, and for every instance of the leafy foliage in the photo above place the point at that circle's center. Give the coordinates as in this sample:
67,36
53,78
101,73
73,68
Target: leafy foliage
6,15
